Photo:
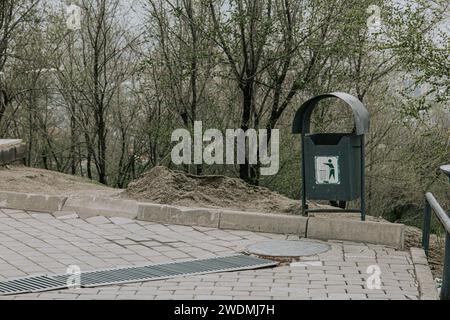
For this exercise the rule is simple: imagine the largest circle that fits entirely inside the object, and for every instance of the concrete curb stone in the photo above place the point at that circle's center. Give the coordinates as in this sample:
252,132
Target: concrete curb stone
178,215
31,202
11,150
86,206
427,286
389,234
263,222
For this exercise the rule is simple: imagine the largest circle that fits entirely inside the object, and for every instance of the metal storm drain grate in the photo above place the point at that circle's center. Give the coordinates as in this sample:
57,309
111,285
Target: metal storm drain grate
31,284
135,274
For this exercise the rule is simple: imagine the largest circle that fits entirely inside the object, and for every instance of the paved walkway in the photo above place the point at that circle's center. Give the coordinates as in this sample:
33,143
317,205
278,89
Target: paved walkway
33,243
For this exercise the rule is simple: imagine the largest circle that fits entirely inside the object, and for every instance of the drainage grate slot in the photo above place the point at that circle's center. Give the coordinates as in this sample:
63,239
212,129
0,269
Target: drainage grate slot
111,276
30,284
135,274
195,267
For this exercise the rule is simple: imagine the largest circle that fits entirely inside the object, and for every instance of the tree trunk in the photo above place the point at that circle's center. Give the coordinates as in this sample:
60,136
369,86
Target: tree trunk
3,103
102,178
73,141
88,156
247,90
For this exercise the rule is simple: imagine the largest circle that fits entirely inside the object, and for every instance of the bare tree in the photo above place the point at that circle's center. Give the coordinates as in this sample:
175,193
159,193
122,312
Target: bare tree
186,54
91,75
12,14
274,50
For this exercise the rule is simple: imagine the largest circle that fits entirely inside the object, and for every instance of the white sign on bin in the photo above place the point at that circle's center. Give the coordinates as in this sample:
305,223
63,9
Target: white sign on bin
327,170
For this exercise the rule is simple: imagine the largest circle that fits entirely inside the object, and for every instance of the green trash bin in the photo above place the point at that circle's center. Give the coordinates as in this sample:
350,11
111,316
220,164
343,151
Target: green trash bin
332,163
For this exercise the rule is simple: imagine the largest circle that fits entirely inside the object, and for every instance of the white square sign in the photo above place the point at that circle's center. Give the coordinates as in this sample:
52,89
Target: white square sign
327,170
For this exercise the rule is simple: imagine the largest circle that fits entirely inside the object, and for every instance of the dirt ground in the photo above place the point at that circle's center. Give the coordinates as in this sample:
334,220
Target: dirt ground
19,178
165,186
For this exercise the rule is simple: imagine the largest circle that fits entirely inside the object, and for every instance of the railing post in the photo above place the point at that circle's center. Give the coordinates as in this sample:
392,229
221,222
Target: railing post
445,290
426,227
363,179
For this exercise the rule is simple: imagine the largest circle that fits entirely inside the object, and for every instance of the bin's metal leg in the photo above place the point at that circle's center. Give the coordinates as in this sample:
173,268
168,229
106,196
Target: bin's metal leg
363,179
303,176
426,227
445,290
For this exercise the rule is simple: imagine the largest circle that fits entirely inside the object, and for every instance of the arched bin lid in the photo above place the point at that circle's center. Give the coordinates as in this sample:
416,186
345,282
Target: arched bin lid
361,116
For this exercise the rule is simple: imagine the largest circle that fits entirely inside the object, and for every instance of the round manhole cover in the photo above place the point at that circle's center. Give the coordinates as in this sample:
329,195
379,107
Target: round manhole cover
288,248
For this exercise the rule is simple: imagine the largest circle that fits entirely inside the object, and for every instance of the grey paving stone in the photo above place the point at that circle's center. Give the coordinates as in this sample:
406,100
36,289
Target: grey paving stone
33,243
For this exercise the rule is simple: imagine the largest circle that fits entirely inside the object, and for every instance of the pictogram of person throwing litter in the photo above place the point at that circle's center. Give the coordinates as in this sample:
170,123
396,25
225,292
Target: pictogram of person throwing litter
327,170
332,170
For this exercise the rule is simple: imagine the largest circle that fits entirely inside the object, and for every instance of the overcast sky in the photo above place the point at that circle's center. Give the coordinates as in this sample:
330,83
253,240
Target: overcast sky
134,12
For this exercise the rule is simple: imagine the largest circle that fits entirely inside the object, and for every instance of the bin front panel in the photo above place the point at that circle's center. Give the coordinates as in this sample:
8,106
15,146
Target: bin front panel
332,163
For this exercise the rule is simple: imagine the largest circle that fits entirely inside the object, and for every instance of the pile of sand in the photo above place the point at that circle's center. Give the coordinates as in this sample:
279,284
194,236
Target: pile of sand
165,186
18,178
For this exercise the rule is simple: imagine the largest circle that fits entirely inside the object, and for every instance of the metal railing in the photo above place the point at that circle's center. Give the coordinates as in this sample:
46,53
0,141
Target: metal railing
431,204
